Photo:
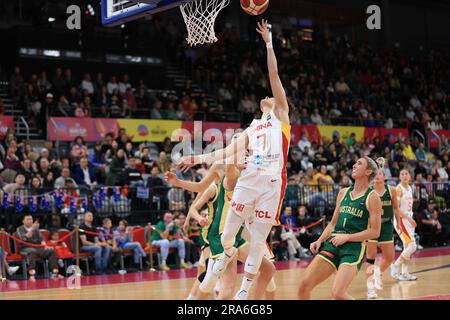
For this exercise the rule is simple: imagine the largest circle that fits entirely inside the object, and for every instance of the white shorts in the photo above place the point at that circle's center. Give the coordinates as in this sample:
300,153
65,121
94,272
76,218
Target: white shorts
408,231
260,196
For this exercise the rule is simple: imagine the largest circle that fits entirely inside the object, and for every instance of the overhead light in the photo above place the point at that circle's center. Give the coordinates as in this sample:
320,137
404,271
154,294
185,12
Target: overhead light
91,10
122,26
51,19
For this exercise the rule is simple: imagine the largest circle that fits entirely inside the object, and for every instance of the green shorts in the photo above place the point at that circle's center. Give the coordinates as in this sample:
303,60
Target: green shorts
215,243
350,253
386,233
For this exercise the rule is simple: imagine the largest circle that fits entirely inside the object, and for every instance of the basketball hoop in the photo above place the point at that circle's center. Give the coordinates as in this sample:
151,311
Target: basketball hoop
200,17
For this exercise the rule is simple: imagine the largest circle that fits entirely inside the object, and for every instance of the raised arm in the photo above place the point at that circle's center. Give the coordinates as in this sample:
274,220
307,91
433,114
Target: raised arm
213,175
201,199
275,83
236,147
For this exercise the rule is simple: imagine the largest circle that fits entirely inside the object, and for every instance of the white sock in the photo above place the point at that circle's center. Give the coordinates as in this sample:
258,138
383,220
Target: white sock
246,284
163,262
182,260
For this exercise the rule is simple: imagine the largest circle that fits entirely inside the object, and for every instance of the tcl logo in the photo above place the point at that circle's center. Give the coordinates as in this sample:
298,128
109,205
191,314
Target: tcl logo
262,214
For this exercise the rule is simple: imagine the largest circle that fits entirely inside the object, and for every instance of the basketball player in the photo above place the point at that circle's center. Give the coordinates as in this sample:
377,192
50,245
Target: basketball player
260,189
407,226
217,195
356,219
385,241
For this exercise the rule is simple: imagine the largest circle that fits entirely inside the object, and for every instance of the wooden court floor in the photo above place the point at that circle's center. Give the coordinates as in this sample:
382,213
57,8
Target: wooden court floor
431,268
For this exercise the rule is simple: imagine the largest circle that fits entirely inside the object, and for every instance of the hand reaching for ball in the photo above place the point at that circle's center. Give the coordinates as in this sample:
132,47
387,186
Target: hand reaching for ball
263,30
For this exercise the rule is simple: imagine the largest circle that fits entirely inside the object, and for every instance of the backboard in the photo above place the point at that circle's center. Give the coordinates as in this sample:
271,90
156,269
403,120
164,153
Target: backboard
116,12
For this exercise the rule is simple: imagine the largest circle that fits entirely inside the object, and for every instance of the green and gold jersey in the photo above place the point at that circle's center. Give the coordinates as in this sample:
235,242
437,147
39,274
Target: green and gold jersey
217,211
388,210
353,213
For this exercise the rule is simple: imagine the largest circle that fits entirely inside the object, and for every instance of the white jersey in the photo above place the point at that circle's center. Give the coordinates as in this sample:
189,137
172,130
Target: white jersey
268,146
407,200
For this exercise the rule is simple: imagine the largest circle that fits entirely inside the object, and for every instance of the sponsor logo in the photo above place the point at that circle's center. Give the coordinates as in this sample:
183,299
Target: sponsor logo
142,130
262,214
238,207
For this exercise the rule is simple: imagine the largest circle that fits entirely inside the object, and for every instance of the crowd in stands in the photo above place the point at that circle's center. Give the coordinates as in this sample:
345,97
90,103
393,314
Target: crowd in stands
327,82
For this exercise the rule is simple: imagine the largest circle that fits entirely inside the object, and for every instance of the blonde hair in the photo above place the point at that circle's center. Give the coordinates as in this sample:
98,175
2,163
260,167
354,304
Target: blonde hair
373,166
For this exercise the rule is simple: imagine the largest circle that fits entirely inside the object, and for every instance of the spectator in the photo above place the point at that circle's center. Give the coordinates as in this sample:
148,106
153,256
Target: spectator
29,232
163,163
84,175
133,176
79,150
304,142
60,247
420,153
112,86
124,241
191,254
430,225
307,236
289,234
107,239
87,84
124,85
61,181
90,243
116,169
166,236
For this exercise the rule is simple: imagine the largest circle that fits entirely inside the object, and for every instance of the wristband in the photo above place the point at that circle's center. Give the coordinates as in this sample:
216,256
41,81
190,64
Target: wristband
269,44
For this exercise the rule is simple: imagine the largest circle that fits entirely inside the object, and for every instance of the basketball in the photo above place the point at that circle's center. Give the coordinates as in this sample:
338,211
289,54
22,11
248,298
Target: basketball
254,7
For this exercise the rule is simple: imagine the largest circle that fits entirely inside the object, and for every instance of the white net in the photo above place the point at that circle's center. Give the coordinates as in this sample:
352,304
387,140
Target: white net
200,17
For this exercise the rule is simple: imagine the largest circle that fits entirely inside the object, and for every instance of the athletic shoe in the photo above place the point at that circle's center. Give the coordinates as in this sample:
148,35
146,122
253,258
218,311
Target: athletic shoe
164,267
293,258
398,248
12,270
378,282
372,294
419,247
241,295
222,262
407,277
184,265
394,271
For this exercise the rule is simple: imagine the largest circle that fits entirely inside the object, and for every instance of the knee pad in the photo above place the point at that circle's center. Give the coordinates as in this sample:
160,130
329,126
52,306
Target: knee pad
254,258
271,287
409,250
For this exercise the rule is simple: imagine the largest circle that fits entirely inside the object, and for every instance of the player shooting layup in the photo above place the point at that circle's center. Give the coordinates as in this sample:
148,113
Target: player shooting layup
260,189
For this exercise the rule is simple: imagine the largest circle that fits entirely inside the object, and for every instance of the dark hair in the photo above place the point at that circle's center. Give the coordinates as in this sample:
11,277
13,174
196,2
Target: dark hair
125,222
78,137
